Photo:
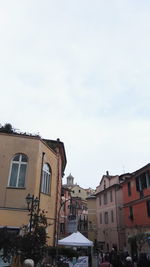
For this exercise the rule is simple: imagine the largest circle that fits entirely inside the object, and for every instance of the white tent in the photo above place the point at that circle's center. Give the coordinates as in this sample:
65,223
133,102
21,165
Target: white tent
76,240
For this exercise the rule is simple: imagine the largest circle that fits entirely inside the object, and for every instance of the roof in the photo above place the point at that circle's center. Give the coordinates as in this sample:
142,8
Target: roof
133,174
54,144
107,177
108,188
70,176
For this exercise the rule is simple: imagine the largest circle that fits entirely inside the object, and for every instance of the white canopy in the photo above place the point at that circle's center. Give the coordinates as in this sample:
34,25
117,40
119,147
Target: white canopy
75,240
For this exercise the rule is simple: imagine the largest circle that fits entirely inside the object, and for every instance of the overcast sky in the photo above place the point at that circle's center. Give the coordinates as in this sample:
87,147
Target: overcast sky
79,70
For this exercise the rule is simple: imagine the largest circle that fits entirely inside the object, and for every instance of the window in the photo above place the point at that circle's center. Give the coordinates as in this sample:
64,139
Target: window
148,208
100,218
46,176
148,178
131,213
105,198
143,181
129,189
62,228
112,216
79,191
100,200
111,196
18,171
106,217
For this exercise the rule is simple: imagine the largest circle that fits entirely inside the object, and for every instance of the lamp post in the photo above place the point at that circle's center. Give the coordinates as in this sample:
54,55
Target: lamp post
33,205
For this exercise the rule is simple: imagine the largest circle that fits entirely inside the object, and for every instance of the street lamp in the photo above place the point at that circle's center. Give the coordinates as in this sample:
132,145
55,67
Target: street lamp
33,205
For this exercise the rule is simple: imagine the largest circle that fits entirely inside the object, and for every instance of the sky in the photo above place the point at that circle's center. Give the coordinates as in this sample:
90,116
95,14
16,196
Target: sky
79,71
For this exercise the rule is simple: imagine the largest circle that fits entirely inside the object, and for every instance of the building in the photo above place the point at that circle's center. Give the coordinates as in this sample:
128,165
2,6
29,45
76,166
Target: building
30,165
109,212
78,217
76,190
92,223
64,212
136,199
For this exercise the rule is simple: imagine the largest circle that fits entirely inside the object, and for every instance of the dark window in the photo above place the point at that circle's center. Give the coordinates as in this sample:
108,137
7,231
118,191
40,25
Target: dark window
106,217
137,183
131,213
129,189
148,178
112,216
143,181
105,198
100,200
104,184
148,208
111,196
100,218
62,228
79,191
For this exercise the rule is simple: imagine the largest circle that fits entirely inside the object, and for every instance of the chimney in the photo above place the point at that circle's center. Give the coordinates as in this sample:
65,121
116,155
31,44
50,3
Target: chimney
107,173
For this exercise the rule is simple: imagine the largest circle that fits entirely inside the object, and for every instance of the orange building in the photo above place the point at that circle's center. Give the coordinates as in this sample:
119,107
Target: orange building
136,198
30,165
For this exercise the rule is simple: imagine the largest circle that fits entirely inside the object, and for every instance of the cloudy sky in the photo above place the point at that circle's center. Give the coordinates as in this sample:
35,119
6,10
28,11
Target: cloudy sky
79,70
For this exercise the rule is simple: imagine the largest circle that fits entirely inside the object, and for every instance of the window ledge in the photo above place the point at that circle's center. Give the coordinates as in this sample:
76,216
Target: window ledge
13,187
46,194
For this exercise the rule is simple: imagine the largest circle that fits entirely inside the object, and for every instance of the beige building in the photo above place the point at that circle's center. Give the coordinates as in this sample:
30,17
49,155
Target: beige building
76,190
30,165
79,205
109,212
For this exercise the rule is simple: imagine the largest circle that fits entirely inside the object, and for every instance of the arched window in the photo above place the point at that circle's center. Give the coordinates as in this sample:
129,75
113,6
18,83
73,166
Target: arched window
46,176
18,171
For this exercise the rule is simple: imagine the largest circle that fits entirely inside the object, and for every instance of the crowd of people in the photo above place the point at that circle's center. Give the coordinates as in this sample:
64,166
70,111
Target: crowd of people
114,259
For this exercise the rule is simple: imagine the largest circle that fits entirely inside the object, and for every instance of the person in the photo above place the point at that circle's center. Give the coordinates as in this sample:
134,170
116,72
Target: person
28,263
128,262
113,257
143,260
106,262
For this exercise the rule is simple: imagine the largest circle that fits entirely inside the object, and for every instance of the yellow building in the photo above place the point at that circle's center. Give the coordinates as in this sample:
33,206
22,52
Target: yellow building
76,190
30,165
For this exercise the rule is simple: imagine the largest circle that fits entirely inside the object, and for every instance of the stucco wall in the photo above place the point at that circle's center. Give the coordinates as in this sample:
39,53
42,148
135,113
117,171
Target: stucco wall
15,197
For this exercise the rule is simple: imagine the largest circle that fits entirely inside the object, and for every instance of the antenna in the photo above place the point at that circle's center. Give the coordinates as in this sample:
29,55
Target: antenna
123,168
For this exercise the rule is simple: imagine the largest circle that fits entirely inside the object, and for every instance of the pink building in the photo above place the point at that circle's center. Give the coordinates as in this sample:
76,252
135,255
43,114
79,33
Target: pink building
109,213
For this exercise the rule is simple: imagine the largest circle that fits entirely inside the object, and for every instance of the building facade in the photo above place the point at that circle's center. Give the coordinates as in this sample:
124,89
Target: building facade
136,198
109,212
78,212
64,212
92,223
30,165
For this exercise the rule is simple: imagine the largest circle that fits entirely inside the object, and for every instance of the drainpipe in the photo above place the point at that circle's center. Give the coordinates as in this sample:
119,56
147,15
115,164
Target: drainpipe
56,225
117,219
41,176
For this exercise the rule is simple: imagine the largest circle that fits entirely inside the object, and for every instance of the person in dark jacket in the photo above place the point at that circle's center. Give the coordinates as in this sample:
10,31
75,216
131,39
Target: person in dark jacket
128,262
106,262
